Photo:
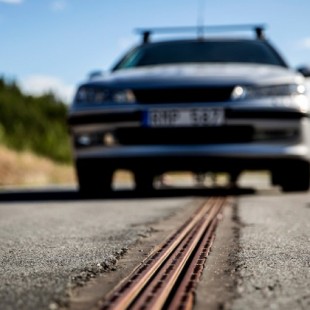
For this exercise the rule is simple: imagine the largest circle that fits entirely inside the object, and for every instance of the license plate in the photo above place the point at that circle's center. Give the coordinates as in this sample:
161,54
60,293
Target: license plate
184,117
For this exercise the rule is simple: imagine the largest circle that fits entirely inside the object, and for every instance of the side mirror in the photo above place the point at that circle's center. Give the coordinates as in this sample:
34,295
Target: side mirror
304,70
95,74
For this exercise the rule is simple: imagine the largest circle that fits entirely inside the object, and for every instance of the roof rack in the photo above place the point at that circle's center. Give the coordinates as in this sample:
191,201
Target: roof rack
258,30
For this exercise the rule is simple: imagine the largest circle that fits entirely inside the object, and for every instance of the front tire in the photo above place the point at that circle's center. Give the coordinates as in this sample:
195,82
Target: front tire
294,178
94,178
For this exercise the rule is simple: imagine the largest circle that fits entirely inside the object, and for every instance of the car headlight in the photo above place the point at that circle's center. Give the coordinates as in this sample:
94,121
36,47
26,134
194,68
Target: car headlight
256,92
98,95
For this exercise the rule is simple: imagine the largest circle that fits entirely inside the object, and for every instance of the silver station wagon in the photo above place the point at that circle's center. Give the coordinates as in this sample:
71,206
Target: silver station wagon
206,104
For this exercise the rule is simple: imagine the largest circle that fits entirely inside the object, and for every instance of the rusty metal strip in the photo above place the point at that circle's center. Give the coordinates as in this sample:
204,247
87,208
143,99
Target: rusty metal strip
162,283
123,295
184,297
173,267
187,237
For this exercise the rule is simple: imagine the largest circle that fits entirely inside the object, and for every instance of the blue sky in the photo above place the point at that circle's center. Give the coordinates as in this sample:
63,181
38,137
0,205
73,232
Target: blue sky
56,43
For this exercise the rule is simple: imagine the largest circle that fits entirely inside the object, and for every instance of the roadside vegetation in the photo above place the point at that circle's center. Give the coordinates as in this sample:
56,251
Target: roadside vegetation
23,168
33,124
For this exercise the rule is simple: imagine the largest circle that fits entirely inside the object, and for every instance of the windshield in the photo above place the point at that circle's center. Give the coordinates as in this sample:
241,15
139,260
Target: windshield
201,52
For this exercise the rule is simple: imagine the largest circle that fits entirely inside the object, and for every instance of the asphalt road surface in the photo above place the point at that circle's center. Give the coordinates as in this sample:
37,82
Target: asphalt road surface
261,258
59,251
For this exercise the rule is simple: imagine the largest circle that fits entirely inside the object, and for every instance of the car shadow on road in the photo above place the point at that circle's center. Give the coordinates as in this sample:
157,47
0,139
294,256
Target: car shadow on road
39,195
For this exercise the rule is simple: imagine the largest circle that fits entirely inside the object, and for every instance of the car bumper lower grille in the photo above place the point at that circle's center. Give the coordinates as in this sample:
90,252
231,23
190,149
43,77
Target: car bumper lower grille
184,136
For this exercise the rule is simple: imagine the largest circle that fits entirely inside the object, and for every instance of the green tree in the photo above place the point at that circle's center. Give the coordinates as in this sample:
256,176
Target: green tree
33,123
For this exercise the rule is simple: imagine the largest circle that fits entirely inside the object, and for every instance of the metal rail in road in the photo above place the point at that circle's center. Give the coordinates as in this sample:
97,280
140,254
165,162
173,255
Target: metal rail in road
168,277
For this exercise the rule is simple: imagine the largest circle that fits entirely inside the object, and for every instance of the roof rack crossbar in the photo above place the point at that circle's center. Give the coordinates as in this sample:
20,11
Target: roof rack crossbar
146,33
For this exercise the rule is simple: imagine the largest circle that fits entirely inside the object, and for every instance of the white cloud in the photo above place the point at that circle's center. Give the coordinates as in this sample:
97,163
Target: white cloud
40,84
58,5
12,1
305,43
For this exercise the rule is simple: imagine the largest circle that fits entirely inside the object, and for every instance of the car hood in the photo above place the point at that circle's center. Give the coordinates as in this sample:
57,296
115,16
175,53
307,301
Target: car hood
200,75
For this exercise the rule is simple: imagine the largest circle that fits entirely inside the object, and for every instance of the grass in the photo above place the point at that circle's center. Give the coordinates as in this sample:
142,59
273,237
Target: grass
25,168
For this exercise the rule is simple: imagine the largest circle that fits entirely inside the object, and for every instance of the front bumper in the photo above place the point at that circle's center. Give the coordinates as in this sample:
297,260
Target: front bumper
204,158
250,139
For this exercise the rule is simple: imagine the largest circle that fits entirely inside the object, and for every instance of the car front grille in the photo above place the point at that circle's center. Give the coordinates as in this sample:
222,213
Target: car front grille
184,136
183,95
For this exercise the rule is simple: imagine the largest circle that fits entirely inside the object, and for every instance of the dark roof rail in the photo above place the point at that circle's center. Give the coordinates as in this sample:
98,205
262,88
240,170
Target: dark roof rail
258,30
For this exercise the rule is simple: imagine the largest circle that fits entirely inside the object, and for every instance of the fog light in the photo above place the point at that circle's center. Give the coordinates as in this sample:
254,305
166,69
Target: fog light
109,139
84,140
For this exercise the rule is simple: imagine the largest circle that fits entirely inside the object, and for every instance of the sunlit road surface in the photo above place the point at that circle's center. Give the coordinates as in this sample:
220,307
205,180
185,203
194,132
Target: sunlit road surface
51,243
